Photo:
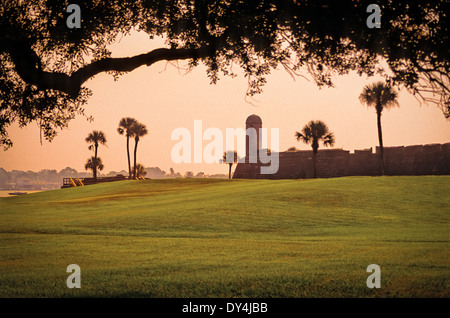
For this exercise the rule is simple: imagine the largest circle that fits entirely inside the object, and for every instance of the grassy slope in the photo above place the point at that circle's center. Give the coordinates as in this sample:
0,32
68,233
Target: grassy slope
222,238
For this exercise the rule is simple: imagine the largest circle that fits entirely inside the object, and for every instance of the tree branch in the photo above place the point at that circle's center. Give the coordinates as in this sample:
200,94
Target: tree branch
71,84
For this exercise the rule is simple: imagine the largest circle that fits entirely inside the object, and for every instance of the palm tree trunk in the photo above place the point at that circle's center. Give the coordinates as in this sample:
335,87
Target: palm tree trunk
229,171
380,140
315,163
135,152
315,147
128,155
95,165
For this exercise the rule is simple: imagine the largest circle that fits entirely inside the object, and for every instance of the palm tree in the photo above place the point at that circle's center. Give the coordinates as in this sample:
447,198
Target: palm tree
138,130
140,170
125,125
94,164
230,157
381,96
313,133
95,138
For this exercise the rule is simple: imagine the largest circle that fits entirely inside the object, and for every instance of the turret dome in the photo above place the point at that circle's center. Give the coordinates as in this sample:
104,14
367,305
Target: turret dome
253,119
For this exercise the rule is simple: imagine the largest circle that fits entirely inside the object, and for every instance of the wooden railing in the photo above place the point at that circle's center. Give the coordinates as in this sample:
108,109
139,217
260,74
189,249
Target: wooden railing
77,182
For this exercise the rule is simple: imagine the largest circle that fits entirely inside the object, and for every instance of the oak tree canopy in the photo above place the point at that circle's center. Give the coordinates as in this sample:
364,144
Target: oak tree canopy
44,64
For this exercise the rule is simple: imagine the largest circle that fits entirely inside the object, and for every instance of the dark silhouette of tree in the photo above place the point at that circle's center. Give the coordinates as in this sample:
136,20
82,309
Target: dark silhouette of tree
4,178
230,157
174,174
125,126
312,134
139,170
201,174
380,96
95,138
189,174
44,65
49,175
138,130
68,172
95,164
155,172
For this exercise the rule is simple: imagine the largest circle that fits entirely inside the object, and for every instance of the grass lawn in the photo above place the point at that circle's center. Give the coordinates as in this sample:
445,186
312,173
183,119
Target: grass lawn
230,238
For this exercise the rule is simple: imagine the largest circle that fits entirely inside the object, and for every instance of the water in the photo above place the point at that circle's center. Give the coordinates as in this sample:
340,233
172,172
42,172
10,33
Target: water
5,193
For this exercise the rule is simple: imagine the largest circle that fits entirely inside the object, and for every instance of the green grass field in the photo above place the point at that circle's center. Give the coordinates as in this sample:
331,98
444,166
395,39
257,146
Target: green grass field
230,238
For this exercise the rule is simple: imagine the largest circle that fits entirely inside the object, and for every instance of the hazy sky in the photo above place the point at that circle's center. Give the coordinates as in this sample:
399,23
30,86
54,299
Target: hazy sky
165,98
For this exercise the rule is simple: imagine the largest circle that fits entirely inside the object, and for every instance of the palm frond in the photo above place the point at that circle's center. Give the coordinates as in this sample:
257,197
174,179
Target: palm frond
230,156
315,131
328,140
94,163
303,137
379,95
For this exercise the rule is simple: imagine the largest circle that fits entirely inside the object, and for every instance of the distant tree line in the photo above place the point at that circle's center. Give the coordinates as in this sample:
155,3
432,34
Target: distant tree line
44,179
52,179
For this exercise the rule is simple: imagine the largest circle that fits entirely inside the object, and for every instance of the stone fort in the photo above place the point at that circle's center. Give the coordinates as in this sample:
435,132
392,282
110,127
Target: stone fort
430,159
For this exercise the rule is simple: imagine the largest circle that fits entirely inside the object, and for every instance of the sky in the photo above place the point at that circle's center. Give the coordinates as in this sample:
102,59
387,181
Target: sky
164,98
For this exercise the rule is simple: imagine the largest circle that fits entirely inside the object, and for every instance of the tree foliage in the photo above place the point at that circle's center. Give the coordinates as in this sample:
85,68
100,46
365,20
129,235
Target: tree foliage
95,164
140,171
44,64
95,138
313,133
380,96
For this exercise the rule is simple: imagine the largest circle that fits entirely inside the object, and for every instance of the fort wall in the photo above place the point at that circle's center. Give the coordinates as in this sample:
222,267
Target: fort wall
430,159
